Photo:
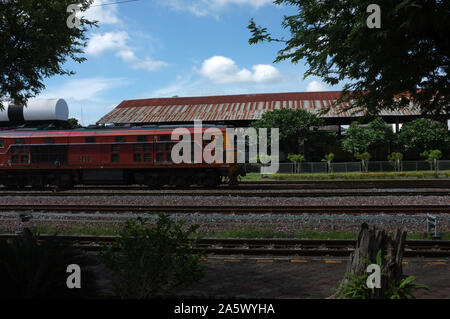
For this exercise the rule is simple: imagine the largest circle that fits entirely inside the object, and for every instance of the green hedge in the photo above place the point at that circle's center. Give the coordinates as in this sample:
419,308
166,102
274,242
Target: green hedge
357,175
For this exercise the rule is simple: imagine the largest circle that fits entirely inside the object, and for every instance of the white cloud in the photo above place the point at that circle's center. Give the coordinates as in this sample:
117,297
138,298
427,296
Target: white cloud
220,69
117,41
149,64
315,86
103,14
107,41
206,7
83,89
87,98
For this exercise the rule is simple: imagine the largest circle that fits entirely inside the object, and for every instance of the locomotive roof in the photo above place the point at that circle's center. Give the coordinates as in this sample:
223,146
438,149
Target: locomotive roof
97,131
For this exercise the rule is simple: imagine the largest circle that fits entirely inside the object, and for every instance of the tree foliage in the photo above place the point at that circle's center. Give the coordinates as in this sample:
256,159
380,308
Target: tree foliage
407,58
296,126
73,123
424,134
35,42
360,139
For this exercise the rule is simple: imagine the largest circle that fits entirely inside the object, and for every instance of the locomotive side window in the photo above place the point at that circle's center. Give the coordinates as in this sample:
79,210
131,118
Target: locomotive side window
165,138
2,143
115,158
15,158
90,139
48,140
138,148
115,148
115,153
120,139
137,157
19,141
142,152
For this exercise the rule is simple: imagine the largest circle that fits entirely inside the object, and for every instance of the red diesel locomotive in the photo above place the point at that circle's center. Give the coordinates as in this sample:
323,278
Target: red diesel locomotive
125,155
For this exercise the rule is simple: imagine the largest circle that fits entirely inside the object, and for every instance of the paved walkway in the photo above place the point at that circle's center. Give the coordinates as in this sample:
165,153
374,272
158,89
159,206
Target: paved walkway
240,277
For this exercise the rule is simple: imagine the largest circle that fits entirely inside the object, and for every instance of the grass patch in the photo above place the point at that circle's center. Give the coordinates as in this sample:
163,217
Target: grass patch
254,232
237,232
348,176
101,230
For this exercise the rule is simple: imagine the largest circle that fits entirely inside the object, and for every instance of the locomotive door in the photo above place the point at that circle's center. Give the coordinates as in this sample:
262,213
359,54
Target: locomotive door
163,149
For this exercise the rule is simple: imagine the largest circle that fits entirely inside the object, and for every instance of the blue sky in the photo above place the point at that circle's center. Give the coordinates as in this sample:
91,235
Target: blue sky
162,48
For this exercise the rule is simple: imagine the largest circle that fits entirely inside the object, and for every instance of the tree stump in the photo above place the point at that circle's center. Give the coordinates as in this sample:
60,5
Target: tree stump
370,241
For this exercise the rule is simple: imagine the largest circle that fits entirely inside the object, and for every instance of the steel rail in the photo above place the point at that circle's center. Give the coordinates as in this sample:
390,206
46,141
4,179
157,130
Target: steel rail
348,209
269,246
245,193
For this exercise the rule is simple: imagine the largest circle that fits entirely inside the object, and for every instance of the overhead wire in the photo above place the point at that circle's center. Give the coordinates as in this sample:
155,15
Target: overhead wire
110,3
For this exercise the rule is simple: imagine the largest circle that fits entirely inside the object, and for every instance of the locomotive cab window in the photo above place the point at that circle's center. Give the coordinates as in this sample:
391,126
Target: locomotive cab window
48,140
90,139
119,139
142,138
19,141
2,143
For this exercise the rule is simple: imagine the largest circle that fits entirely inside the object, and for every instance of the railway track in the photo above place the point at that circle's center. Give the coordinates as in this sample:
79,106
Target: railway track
268,185
345,209
240,193
273,246
346,184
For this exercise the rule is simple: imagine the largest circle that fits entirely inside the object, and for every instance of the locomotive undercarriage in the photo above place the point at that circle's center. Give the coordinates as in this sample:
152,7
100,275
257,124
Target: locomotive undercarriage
39,179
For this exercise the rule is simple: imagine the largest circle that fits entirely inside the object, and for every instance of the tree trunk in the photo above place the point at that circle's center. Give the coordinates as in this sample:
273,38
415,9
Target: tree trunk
370,241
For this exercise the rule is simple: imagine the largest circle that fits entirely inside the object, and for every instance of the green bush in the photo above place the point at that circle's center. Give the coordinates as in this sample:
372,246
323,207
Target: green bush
355,287
149,261
362,176
29,269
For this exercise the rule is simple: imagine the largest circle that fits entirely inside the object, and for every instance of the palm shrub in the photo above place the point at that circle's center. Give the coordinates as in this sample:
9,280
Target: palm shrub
296,159
396,159
432,158
32,267
151,260
365,158
329,158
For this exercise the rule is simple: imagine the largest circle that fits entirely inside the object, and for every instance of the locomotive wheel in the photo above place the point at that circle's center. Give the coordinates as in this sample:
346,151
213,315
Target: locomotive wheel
180,181
22,182
211,180
37,182
11,182
154,181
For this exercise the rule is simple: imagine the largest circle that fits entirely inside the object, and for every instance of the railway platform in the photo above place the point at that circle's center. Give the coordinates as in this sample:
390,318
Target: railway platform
300,278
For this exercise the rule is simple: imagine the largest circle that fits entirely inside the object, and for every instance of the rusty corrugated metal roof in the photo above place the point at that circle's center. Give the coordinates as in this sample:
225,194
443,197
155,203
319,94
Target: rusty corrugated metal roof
230,107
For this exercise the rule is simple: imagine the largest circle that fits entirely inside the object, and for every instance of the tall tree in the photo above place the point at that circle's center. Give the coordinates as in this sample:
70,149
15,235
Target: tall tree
35,42
358,139
406,59
296,127
424,135
73,123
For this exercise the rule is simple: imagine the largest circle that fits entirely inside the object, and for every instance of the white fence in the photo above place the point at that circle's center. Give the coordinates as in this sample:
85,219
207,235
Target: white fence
347,167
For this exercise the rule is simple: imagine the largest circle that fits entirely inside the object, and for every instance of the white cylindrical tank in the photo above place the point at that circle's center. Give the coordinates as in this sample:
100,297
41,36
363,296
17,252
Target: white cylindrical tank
46,110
